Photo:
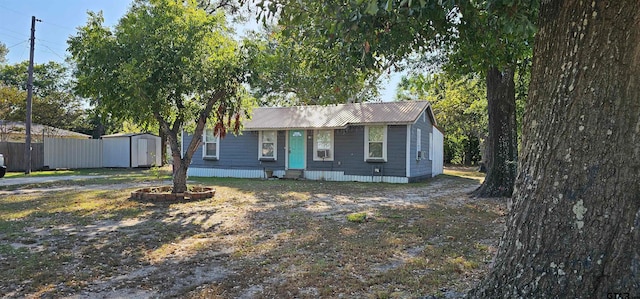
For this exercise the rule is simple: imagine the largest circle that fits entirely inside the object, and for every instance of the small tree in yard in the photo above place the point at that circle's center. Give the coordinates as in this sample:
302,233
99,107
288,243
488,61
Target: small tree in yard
166,62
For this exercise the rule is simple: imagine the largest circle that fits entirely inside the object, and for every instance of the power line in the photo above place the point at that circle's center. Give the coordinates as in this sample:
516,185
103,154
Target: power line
11,30
53,52
46,22
50,42
22,42
60,26
12,33
13,10
11,36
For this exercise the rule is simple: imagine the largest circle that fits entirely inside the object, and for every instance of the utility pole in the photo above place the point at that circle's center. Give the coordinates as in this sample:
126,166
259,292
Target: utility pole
27,146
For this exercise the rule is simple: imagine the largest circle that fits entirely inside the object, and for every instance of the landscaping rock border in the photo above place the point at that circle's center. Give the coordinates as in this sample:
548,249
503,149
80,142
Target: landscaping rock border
163,193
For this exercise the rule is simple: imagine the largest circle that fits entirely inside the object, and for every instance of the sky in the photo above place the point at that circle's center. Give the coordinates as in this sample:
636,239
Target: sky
60,20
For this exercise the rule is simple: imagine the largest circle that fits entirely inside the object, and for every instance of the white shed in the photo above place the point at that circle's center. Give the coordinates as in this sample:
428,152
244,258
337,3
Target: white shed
131,150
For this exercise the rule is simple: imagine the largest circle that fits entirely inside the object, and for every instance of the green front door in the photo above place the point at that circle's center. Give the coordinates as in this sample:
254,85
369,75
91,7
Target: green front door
296,149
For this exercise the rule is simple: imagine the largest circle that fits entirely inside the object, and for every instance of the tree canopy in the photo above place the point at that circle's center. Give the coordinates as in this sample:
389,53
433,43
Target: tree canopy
459,105
290,71
3,53
54,102
487,37
166,61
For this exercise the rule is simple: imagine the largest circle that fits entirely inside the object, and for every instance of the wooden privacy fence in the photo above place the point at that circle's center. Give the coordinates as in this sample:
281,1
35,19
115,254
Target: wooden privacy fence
72,153
14,155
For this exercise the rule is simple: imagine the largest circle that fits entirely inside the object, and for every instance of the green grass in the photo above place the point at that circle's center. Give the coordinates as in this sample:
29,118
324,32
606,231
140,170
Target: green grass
357,217
465,172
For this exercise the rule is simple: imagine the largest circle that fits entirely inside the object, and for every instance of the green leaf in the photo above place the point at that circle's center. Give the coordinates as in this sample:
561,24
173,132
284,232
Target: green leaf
372,8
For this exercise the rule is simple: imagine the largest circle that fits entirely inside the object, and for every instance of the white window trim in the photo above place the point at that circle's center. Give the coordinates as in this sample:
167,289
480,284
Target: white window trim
275,146
204,146
315,146
384,144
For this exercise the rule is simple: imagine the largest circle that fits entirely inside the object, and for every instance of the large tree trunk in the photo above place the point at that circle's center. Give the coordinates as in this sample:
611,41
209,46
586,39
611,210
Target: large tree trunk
503,140
182,160
574,228
163,147
180,163
179,175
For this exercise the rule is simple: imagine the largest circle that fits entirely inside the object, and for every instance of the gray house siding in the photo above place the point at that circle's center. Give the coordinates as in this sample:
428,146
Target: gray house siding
349,153
397,151
420,169
239,152
238,155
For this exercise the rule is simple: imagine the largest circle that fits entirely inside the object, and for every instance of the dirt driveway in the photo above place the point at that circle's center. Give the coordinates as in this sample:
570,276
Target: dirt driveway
255,239
44,179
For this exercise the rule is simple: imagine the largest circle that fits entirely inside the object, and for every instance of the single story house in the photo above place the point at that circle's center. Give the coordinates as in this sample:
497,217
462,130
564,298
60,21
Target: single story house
396,142
15,131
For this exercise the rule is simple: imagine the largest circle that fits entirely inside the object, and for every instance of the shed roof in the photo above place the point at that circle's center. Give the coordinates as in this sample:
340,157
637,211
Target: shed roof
125,135
336,116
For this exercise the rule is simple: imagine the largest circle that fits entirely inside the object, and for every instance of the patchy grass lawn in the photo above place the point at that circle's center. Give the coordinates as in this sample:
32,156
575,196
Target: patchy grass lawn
254,239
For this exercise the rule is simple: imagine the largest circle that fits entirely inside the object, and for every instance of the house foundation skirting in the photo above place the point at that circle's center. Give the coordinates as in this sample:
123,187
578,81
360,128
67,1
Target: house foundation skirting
338,176
227,173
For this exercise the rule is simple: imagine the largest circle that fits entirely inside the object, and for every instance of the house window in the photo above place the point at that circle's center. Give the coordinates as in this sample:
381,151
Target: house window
268,145
323,145
211,145
418,144
375,145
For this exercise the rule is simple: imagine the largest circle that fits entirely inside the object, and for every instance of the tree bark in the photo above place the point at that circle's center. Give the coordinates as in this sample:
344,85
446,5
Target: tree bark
574,228
503,140
182,160
180,164
163,147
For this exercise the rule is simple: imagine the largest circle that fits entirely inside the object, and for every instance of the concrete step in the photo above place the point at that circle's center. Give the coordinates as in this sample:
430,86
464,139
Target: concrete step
293,174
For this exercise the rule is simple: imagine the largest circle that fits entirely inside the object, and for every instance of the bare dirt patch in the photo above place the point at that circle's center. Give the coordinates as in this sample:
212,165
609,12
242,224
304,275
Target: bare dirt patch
254,239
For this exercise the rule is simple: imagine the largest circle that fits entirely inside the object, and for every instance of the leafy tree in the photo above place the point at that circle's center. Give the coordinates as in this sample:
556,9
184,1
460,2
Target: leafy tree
487,37
10,100
93,123
48,78
494,38
574,227
166,61
54,103
288,71
460,106
348,48
3,53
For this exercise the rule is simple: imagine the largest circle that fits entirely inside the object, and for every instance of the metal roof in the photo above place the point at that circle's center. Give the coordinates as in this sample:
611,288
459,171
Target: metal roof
336,116
18,127
126,135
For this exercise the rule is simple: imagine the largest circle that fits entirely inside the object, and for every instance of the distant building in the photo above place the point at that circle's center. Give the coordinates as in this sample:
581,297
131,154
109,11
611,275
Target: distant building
15,131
